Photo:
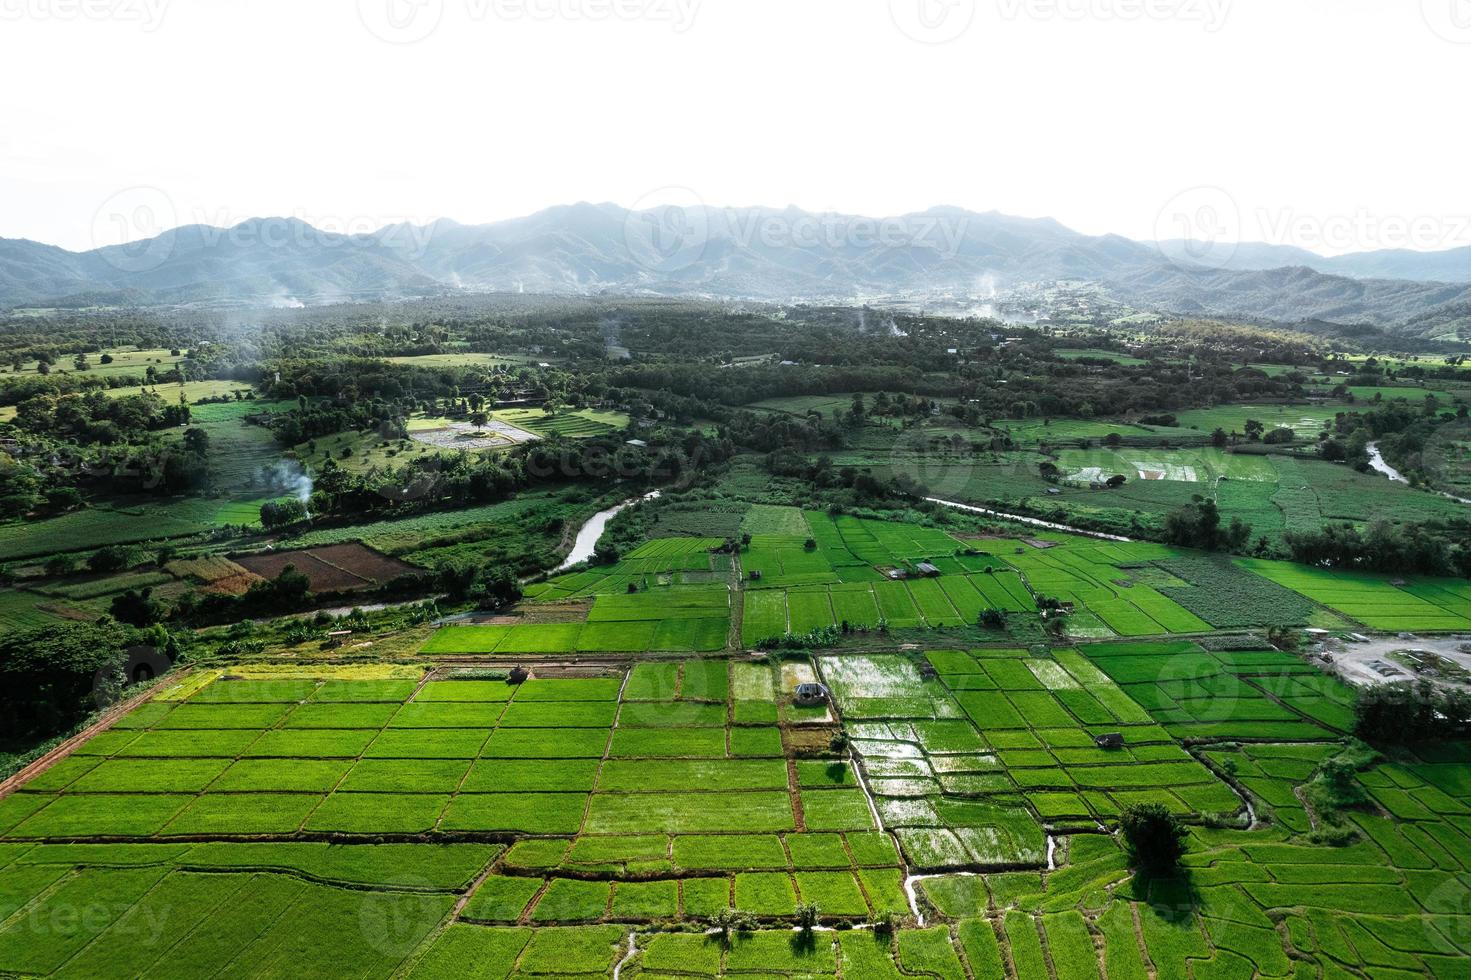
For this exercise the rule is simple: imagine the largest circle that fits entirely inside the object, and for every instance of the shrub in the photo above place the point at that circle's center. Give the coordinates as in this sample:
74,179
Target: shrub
807,916
1401,713
109,559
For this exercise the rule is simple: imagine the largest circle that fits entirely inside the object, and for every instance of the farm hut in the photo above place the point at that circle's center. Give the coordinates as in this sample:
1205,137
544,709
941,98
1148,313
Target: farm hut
1110,740
927,570
811,694
518,675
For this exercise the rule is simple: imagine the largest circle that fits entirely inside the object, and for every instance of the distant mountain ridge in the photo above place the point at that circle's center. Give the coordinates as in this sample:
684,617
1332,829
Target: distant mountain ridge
754,253
1449,265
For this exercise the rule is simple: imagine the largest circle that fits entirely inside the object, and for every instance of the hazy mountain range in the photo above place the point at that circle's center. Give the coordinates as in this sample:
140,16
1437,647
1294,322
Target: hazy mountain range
755,253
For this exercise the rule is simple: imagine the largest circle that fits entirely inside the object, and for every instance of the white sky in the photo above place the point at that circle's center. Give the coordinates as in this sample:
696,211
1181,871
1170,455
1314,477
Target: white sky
1335,124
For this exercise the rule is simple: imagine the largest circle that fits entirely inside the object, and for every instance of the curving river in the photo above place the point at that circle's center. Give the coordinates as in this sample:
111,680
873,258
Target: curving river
588,534
1020,519
1378,465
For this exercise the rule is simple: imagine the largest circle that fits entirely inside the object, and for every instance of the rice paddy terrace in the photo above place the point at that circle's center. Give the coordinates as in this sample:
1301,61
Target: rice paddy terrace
947,811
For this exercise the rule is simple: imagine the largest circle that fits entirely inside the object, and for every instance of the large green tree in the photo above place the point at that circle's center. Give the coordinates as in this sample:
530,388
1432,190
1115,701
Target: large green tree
47,674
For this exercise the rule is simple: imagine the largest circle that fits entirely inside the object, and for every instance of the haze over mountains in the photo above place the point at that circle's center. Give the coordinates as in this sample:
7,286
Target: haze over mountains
753,253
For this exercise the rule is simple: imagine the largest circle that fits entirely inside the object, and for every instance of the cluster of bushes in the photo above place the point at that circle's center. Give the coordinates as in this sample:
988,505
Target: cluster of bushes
1412,549
48,674
1198,525
814,639
1398,714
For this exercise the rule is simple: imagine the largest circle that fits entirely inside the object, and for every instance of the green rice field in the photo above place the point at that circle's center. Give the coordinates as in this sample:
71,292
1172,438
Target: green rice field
572,424
416,825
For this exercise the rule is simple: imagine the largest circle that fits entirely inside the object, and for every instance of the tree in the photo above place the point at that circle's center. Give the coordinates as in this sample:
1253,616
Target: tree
286,591
728,920
807,916
108,559
279,513
1057,623
478,419
60,565
1153,836
500,588
47,675
1404,713
136,608
1198,525
196,441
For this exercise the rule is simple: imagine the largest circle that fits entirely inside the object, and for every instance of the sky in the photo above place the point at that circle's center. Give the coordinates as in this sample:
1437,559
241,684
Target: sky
1335,125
